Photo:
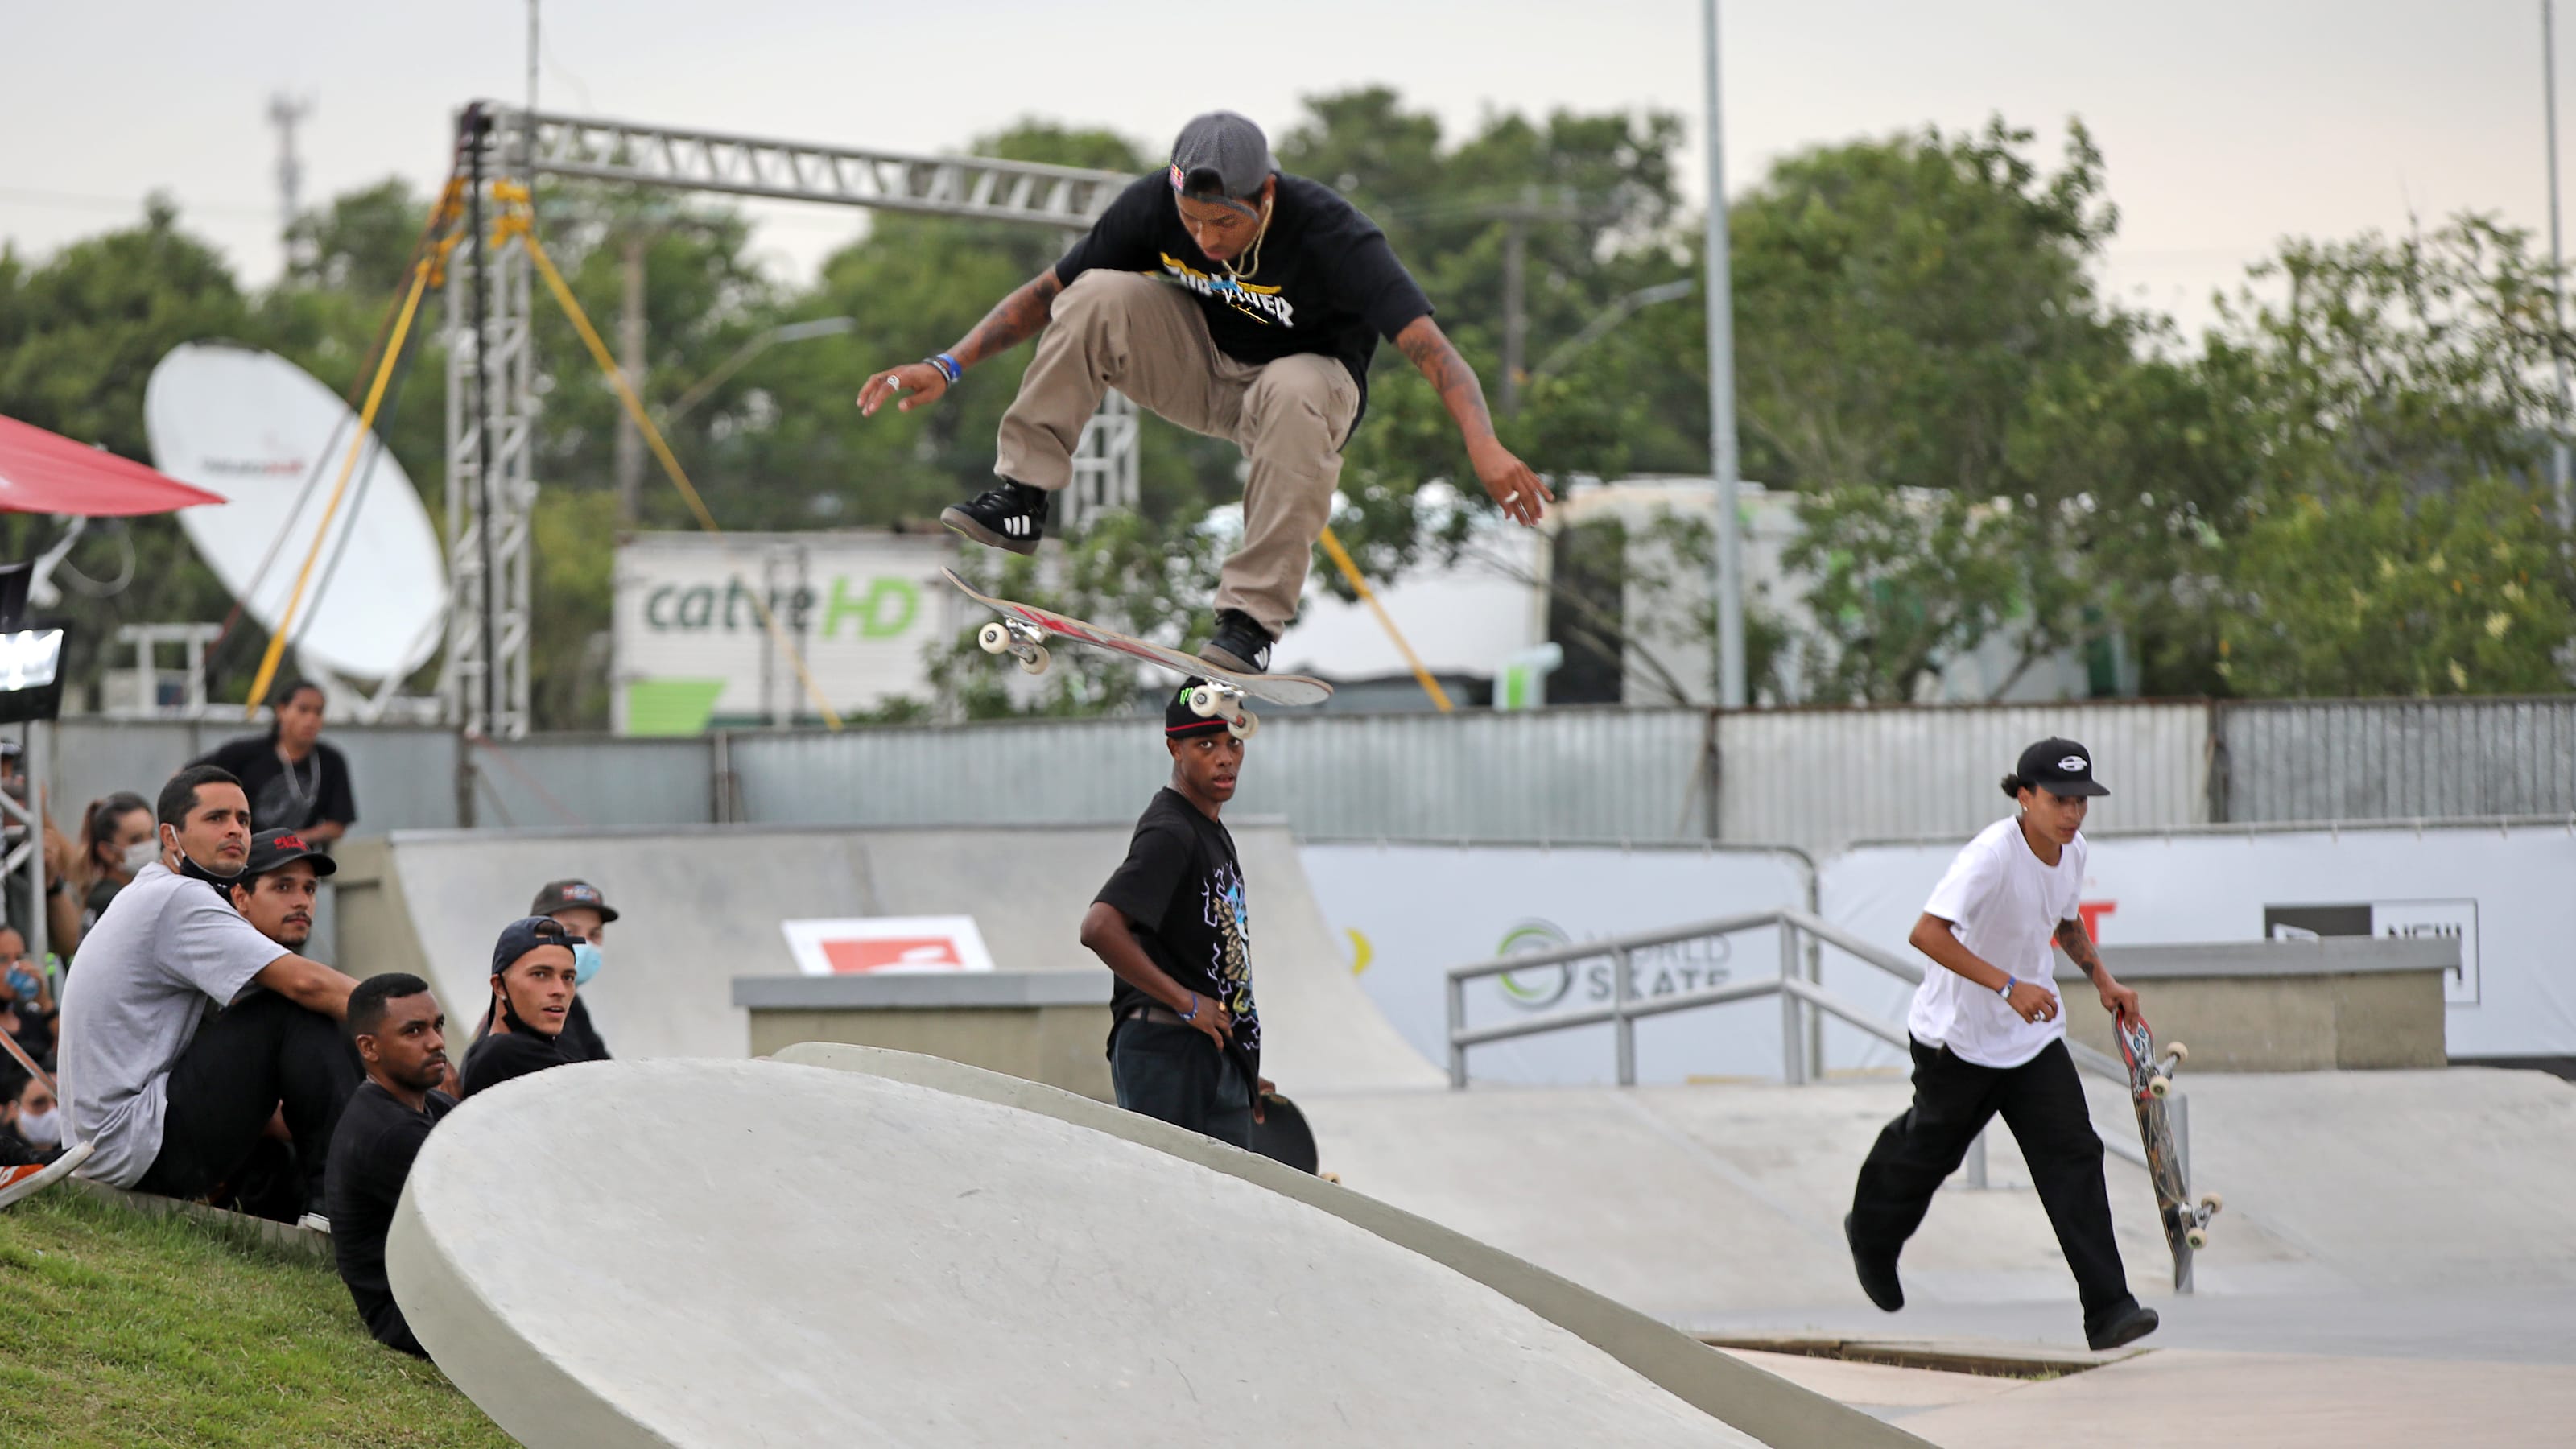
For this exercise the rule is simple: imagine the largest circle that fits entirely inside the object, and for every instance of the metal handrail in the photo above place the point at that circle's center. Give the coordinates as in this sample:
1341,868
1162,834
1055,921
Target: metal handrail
1795,991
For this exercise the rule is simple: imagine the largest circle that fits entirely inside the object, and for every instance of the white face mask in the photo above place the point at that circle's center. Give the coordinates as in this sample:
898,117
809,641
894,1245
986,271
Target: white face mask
140,854
45,1129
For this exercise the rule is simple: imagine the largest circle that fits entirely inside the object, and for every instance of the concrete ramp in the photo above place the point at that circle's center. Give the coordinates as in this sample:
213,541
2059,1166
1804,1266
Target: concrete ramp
686,1252
701,906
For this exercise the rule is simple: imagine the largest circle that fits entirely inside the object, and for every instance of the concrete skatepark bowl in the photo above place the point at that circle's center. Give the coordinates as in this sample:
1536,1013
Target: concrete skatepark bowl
689,1252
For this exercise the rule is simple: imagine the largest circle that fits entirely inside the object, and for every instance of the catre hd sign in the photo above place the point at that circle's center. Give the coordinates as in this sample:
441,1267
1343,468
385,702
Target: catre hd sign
692,654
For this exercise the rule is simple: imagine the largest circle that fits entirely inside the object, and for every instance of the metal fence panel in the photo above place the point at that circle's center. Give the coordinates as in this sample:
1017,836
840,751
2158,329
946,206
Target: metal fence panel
1574,774
404,776
91,759
2296,760
1821,779
587,780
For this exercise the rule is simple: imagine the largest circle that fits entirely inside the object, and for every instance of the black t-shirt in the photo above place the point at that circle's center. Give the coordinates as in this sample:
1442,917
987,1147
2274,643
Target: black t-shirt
1327,281
506,1054
289,797
371,1156
579,1040
1181,890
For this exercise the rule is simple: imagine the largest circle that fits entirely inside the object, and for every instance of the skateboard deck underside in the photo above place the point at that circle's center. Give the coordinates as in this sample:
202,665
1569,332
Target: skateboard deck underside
2155,1132
1288,689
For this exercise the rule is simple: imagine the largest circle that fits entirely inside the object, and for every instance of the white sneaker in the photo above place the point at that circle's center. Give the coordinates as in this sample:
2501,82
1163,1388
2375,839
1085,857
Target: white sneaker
19,1182
315,1221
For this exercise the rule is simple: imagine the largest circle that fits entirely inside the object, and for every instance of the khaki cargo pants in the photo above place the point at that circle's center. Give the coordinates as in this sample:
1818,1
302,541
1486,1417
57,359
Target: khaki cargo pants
1147,339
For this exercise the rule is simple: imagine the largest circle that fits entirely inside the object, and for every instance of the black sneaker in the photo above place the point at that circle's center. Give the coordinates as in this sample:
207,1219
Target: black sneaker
1238,644
1012,516
1877,1274
2126,1326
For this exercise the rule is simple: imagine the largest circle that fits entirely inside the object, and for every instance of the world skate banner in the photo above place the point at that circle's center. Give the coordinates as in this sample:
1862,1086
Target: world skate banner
2502,893
1405,914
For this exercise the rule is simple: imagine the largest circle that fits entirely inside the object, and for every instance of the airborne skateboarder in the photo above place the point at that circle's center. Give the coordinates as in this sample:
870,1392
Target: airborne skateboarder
1238,302
1990,1037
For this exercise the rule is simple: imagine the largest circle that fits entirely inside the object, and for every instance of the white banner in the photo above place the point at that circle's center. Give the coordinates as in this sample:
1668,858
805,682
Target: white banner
1407,913
886,945
2503,893
691,652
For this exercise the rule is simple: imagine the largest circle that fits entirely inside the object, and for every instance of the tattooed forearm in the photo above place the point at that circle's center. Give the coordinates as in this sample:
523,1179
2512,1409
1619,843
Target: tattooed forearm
2078,947
1430,349
1014,320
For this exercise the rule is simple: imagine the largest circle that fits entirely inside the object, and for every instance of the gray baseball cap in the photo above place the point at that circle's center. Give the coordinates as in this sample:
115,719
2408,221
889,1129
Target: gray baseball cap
1221,157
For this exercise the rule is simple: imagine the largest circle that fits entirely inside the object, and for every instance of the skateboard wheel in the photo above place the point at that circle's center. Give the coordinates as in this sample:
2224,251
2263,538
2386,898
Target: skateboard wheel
1036,660
993,638
1203,700
2210,1203
2177,1051
2195,1238
2159,1086
1244,725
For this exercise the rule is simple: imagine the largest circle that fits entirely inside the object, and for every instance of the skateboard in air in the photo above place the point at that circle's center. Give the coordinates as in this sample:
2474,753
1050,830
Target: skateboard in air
1023,630
2186,1223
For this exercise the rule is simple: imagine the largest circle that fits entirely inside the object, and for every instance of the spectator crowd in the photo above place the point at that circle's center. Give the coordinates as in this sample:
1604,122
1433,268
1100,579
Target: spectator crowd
182,1039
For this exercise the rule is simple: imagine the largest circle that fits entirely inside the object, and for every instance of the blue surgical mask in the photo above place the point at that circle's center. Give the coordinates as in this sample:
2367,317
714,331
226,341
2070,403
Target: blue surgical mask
585,962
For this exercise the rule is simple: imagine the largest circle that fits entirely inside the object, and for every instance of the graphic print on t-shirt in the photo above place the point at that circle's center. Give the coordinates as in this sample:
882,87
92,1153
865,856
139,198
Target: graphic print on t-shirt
1228,910
1262,304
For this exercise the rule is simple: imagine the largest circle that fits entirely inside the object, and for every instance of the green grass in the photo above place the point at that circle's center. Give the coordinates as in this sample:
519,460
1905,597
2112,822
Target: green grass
120,1329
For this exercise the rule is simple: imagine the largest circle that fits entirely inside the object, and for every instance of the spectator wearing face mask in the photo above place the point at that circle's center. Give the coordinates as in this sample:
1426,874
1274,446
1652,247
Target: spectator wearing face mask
116,841
532,991
34,1117
28,1113
585,913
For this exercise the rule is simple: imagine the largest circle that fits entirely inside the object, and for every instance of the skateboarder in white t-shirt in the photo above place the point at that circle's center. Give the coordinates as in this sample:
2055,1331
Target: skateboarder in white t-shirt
1990,1037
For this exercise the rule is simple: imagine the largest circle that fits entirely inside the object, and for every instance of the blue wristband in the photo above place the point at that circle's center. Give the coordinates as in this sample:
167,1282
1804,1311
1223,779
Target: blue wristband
2006,990
947,365
1192,1015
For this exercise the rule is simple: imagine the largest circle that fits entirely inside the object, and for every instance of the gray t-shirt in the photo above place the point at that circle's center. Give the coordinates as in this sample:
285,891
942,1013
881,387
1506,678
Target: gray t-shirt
166,953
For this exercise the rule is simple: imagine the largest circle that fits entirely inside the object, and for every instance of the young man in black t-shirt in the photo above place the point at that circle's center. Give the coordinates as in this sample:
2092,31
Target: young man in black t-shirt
532,990
1173,924
1238,302
401,1036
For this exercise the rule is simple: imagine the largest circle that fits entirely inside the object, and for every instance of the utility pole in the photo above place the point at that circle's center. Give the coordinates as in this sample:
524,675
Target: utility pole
1729,580
285,113
630,360
1517,218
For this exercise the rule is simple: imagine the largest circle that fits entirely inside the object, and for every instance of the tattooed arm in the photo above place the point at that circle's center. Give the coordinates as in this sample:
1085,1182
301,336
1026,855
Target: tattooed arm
1521,492
1014,320
2078,946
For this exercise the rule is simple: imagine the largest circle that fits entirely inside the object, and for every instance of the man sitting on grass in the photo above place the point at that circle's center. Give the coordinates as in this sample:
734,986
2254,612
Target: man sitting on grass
401,1035
172,1067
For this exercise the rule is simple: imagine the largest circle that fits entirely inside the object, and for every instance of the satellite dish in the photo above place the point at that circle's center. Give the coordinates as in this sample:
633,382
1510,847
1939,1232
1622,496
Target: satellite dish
258,430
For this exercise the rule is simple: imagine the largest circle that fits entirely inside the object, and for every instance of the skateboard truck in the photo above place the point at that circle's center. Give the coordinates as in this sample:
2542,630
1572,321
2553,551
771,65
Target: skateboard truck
1224,701
1022,641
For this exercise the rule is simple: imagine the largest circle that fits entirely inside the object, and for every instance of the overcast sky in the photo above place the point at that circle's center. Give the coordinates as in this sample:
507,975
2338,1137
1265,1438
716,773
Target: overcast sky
2225,126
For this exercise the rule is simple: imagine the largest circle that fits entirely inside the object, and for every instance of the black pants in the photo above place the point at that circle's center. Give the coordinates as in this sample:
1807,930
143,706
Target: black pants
258,1053
386,1325
1178,1075
2043,1103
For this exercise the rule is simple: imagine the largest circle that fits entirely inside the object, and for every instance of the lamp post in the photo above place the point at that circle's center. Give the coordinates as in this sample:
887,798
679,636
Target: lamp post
1728,580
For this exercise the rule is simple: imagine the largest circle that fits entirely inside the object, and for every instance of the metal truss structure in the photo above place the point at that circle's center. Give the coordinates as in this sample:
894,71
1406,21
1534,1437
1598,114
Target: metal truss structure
491,379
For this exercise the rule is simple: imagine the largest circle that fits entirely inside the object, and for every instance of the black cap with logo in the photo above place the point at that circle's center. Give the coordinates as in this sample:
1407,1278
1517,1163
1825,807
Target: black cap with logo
2061,767
562,894
273,849
524,935
1180,721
